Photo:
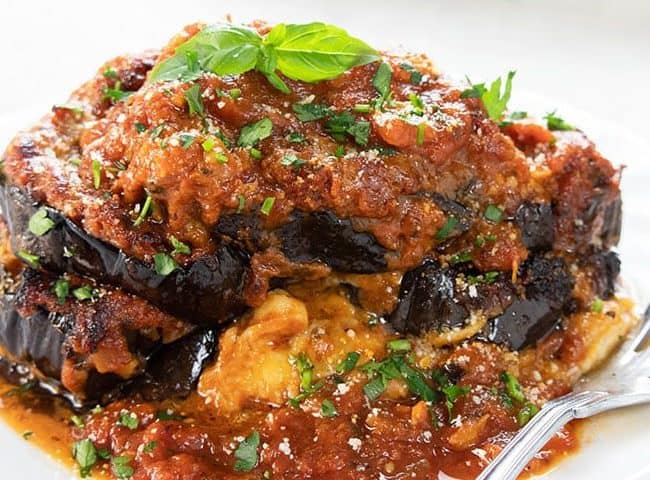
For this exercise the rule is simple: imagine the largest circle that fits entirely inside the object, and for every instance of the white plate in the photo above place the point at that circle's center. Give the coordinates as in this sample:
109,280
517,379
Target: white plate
592,55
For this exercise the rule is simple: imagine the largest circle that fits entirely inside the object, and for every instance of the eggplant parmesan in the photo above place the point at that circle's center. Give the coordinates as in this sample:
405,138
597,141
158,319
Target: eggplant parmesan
274,252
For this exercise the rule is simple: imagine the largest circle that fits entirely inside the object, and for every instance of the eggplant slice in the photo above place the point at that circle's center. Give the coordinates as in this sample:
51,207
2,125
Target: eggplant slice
36,344
208,291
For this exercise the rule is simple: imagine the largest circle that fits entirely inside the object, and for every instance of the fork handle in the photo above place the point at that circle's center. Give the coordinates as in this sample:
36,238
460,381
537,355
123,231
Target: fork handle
531,438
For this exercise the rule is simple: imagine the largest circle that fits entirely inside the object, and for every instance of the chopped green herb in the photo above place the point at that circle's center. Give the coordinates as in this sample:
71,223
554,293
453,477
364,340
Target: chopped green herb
420,134
110,73
251,134
461,257
121,467
179,247
479,241
97,173
513,388
266,475
518,115
495,103
267,206
195,101
149,446
292,160
305,371
20,390
97,409
164,264
493,213
155,132
362,108
528,411
246,453
39,223
255,153
168,415
34,261
76,161
85,455
373,320
344,123
348,364
597,306
234,93
61,290
307,112
385,151
340,151
115,94
77,421
360,131
128,420
295,137
451,393
221,157
417,104
553,122
399,345
68,106
140,127
381,80
328,409
187,140
416,76
85,292
374,388
27,435
144,211
208,144
241,202
446,229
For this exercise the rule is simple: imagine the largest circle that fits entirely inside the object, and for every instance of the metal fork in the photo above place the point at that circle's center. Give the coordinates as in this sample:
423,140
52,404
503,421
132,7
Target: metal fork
622,382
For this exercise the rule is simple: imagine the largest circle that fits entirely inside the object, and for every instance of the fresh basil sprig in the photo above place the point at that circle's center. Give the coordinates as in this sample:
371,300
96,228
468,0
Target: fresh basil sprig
309,52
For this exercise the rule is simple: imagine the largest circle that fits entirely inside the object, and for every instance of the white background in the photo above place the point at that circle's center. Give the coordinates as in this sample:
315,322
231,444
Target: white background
589,59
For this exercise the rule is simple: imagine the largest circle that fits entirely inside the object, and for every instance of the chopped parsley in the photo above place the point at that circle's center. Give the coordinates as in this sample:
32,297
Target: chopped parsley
85,455
27,435
241,203
267,205
164,264
307,112
462,257
528,411
195,101
77,421
73,108
179,247
121,467
187,140
340,151
85,292
399,345
513,387
208,144
97,173
115,94
487,278
39,223
246,453
221,157
328,409
348,363
362,108
553,122
417,104
251,134
446,229
128,420
493,213
292,160
449,390
144,211
494,101
34,261
255,153
168,415
419,139
155,132
149,446
415,77
340,124
110,73
306,373
597,306
140,127
234,93
295,137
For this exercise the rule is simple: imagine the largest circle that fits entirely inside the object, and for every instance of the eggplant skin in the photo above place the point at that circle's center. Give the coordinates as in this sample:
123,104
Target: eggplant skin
528,319
427,301
174,370
207,291
310,237
537,225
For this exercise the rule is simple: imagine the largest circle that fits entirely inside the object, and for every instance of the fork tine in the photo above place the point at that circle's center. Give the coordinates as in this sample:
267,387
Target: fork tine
628,349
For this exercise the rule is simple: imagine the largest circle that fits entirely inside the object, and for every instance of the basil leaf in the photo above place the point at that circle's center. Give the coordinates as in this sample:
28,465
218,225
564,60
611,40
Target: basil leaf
246,453
195,101
315,51
221,49
381,80
253,133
